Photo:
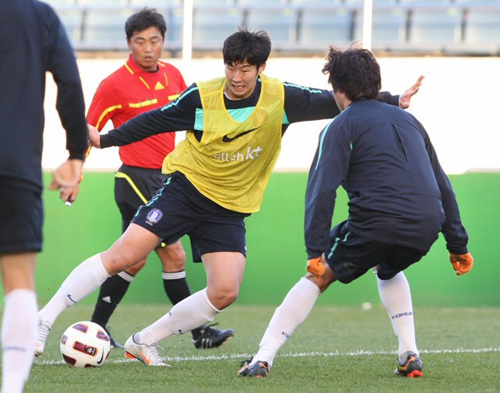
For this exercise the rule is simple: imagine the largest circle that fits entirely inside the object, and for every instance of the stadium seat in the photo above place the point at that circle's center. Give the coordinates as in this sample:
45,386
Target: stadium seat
474,3
105,28
320,29
174,19
435,27
212,27
72,22
483,25
156,3
279,24
262,3
308,3
425,2
375,2
61,3
102,3
388,27
213,3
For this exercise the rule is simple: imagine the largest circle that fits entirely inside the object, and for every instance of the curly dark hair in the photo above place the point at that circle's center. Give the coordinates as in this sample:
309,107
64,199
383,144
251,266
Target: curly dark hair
355,72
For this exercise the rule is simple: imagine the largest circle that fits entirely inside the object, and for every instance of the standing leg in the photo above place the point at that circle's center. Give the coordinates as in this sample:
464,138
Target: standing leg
19,316
395,295
224,274
173,258
294,309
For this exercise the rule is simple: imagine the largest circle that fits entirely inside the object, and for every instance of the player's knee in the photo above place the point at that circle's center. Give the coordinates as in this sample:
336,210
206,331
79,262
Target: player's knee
223,297
173,258
116,261
136,268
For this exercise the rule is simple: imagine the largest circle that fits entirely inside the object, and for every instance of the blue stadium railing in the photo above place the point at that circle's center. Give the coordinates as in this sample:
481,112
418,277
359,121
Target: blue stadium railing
446,27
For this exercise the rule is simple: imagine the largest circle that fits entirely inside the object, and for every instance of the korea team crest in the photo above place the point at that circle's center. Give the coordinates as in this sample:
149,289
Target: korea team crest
154,216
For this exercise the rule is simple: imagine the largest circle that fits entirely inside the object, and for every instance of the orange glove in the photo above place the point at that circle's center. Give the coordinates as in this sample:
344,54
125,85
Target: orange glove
315,267
462,263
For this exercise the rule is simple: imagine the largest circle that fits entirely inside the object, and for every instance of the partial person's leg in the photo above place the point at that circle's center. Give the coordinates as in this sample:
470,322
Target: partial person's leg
173,258
395,295
224,275
131,190
111,294
134,245
292,312
19,319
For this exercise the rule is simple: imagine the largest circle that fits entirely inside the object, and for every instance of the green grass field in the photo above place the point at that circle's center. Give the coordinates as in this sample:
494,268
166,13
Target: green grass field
338,349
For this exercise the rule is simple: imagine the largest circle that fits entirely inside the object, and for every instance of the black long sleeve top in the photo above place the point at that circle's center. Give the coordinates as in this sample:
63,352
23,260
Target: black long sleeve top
32,42
398,192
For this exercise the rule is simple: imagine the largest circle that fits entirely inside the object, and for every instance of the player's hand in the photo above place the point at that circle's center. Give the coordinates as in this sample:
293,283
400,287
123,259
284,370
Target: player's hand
405,98
315,267
69,194
66,178
462,263
94,136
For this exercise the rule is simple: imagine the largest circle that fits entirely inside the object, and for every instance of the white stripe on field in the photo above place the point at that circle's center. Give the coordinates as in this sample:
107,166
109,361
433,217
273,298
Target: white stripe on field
240,356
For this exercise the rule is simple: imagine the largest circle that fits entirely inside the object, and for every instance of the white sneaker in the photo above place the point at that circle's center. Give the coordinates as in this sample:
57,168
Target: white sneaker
41,336
148,354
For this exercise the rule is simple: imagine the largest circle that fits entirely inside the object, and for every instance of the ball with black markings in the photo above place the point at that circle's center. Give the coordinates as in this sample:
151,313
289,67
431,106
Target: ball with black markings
85,344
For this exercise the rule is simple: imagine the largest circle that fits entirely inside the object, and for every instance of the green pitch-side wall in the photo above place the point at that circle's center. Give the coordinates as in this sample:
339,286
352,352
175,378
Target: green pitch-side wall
276,256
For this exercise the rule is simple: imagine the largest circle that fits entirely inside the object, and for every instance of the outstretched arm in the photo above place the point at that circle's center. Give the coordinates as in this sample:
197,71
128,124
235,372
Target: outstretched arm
178,115
405,98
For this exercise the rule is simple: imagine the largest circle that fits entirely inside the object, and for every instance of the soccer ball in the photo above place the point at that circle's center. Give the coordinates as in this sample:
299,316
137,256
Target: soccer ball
85,344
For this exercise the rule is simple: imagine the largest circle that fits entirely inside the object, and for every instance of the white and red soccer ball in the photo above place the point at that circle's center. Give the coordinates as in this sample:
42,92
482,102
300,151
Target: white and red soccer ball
85,344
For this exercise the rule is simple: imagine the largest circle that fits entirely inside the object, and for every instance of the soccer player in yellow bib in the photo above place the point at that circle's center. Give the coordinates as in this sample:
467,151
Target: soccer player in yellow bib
216,178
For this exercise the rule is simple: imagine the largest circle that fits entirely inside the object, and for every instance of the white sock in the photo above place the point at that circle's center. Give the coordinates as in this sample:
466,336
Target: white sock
82,281
190,313
295,308
18,339
396,298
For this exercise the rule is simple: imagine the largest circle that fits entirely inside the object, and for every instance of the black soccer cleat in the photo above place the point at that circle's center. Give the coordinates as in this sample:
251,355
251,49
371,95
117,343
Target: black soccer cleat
112,342
211,337
259,369
411,368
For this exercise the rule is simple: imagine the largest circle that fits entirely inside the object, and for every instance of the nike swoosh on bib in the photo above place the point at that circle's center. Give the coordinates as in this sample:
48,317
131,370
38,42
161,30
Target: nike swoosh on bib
228,139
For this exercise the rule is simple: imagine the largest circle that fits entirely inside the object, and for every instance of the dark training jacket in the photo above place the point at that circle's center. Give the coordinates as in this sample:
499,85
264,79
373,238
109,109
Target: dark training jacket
32,42
398,192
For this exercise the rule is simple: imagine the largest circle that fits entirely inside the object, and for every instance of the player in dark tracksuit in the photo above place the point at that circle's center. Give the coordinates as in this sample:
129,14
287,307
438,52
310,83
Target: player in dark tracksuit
32,42
398,193
399,201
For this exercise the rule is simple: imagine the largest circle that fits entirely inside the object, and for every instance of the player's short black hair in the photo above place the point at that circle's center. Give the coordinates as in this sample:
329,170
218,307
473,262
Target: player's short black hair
246,45
144,19
355,72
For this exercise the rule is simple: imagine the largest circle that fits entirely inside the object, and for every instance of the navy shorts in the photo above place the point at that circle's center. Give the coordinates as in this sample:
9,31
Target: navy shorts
134,187
350,256
21,217
179,209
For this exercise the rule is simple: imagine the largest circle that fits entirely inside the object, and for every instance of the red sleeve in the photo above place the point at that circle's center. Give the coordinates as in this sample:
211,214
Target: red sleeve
105,105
